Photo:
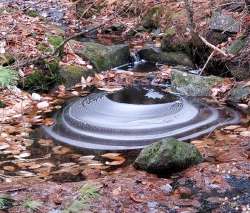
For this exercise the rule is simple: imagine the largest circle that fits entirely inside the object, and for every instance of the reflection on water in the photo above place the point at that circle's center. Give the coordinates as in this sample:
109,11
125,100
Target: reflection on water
141,66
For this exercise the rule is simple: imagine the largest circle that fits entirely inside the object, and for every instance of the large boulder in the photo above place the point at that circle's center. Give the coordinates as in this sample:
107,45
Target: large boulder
167,155
225,23
104,57
193,85
72,74
173,58
240,92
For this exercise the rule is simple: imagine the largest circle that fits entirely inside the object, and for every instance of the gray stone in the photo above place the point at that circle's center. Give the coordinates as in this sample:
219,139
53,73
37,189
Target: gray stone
193,85
239,71
225,23
104,57
173,58
239,93
167,155
71,74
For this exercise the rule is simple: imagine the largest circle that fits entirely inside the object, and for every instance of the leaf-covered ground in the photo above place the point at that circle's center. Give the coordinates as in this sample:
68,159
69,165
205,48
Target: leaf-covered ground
38,175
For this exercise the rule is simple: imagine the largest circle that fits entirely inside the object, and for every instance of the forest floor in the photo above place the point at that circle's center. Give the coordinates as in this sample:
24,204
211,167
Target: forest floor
38,175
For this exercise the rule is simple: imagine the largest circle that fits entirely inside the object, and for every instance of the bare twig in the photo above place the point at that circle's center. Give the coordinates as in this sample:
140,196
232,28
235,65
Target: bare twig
60,47
205,65
214,47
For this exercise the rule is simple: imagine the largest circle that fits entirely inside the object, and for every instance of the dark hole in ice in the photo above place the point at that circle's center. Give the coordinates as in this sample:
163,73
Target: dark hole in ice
142,95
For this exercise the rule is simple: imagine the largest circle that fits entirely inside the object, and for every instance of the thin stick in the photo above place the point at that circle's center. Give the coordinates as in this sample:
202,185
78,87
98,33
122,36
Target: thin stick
34,60
205,65
213,47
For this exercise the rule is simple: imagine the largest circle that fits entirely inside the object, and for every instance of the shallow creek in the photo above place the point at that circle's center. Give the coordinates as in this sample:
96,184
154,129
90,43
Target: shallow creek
127,119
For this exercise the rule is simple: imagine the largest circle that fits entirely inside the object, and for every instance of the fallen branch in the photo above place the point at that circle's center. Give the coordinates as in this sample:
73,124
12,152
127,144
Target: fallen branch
214,47
57,50
205,65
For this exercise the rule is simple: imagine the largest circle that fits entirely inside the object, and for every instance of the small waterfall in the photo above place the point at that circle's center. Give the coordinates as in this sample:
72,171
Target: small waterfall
135,59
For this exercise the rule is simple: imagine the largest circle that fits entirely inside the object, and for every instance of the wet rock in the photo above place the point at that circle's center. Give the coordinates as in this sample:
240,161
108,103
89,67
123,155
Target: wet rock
71,74
104,57
193,85
152,18
224,23
156,55
167,155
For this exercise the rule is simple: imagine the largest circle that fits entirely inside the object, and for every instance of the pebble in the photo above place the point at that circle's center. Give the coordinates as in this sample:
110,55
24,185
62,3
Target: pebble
166,188
245,134
36,97
42,105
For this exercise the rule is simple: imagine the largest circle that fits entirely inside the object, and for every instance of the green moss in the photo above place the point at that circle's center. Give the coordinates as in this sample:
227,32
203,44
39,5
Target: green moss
5,202
170,31
87,193
32,205
32,13
53,65
193,85
55,41
104,57
8,77
71,74
167,155
2,104
44,48
237,45
41,80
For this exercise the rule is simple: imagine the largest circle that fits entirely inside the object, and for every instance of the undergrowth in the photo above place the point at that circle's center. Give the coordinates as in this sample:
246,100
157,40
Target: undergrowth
8,77
87,193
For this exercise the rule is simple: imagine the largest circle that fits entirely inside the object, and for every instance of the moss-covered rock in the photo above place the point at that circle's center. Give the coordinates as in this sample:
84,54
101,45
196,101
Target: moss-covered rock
152,18
237,45
43,78
71,74
173,58
55,40
8,77
104,57
40,80
167,155
193,85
